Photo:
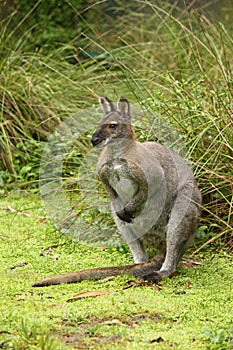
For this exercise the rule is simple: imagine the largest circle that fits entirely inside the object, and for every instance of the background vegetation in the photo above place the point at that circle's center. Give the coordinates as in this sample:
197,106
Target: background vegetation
57,57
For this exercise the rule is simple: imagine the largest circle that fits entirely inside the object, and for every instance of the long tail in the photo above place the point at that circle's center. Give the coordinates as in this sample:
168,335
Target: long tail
135,270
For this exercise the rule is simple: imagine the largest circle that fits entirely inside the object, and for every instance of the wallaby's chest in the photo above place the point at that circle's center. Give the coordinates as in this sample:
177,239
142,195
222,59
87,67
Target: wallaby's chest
118,175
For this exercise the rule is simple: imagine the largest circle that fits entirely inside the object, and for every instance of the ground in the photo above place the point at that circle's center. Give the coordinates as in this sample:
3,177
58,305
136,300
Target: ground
191,310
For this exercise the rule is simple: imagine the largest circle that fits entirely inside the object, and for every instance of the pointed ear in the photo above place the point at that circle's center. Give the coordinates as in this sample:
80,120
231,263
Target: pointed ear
106,105
123,107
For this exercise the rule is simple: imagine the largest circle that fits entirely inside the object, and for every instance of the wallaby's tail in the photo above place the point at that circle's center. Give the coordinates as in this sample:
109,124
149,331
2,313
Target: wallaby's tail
135,270
91,274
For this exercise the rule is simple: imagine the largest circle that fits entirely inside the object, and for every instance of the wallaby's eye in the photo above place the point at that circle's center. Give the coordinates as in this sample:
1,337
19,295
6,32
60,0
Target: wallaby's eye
112,126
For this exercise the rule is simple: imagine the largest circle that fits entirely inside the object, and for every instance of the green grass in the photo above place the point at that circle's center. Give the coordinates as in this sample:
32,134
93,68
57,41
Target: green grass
192,310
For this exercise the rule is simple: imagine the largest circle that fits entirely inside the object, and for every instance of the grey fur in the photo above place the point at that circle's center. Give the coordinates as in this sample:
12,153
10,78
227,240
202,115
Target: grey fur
154,197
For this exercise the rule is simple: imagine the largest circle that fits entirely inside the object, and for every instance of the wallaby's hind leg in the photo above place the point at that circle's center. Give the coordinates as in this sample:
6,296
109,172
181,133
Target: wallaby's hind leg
178,240
180,232
138,251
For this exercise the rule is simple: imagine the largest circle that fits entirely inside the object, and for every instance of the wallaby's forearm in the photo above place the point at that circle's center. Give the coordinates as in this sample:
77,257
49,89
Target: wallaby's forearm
135,270
134,207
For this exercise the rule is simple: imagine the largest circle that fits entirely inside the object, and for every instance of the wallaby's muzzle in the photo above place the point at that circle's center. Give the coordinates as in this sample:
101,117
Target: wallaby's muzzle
101,137
95,140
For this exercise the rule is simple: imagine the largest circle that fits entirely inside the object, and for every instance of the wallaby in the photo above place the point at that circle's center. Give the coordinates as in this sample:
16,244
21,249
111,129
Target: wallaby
154,198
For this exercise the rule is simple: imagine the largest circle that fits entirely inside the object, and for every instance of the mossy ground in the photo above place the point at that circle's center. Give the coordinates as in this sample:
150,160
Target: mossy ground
192,310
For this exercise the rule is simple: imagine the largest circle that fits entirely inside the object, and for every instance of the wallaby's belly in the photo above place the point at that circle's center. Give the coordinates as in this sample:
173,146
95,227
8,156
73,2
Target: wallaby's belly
124,187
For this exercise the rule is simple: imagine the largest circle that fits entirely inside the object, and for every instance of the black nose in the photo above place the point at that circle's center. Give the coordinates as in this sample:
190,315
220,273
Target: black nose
94,140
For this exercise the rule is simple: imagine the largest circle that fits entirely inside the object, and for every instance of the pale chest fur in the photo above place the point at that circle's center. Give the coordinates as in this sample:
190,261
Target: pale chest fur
117,174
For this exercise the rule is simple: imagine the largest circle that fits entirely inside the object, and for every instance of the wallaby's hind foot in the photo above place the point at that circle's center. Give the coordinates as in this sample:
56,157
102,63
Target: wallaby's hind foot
154,277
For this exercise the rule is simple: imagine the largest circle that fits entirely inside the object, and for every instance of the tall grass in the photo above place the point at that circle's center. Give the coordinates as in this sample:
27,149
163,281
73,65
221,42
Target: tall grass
35,95
183,68
176,61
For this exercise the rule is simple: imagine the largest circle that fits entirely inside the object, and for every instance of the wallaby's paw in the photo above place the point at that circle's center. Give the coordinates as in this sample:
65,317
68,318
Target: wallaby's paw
154,277
124,216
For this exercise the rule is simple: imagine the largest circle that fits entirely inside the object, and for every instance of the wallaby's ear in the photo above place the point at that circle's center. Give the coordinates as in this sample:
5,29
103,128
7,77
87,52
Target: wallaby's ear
106,105
123,107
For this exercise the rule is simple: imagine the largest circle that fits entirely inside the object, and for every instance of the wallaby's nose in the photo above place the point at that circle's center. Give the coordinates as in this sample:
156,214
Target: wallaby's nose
94,140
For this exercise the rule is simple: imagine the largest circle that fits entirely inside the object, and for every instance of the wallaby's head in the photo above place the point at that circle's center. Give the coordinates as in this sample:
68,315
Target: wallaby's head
116,123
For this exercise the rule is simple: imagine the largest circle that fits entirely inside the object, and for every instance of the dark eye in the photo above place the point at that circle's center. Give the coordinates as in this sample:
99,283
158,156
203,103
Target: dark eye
112,126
